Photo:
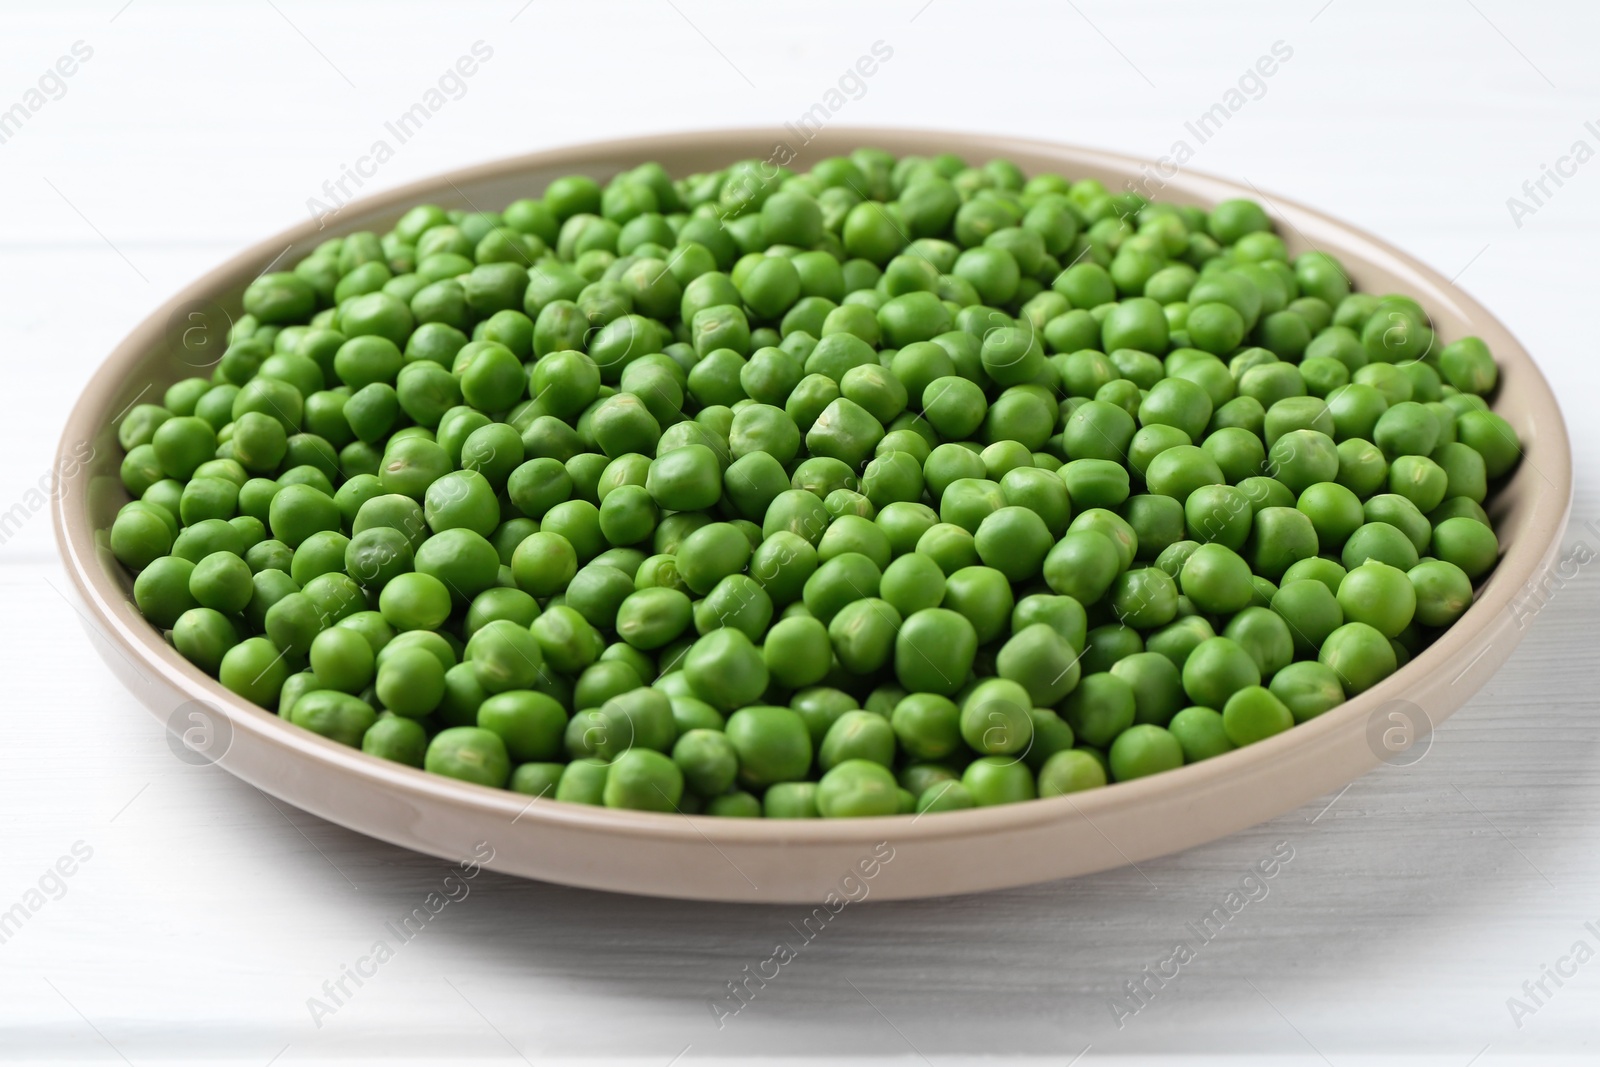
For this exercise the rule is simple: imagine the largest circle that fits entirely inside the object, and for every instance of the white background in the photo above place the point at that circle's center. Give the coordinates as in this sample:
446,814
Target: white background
1415,904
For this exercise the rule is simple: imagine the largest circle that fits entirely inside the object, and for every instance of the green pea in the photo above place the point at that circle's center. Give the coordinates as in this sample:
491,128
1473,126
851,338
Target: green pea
1308,688
913,582
707,760
1302,458
1216,579
772,743
1467,543
221,581
543,564
927,725
944,796
784,564
844,431
615,711
1265,635
504,656
1420,480
1402,514
1329,572
1468,365
797,652
462,560
1082,565
537,779
1216,669
1465,472
597,592
791,800
1144,598
410,682
1136,323
343,659
1219,513
529,724
469,753
854,534
1359,654
1279,538
1200,733
500,603
651,618
983,596
685,479
841,580
1179,403
1071,771
857,735
204,636
392,737
1334,510
1142,750
1379,541
949,546
726,669
1243,413
337,716
163,590
1156,684
855,788
1100,707
738,601
566,639
584,781
954,407
1311,611
1011,355
1443,592
1237,452
1179,470
1406,429
1254,714
279,297
863,634
1380,596
1042,660
578,523
1014,541
1098,430
710,554
255,670
994,780
1215,327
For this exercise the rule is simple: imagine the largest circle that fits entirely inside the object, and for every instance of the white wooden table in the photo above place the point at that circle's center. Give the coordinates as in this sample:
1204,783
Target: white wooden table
205,916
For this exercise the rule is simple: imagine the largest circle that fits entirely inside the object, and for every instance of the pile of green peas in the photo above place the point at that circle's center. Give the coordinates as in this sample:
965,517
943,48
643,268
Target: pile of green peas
898,485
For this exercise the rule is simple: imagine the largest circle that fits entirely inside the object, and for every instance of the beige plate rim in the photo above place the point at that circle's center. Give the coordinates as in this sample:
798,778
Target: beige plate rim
1548,457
